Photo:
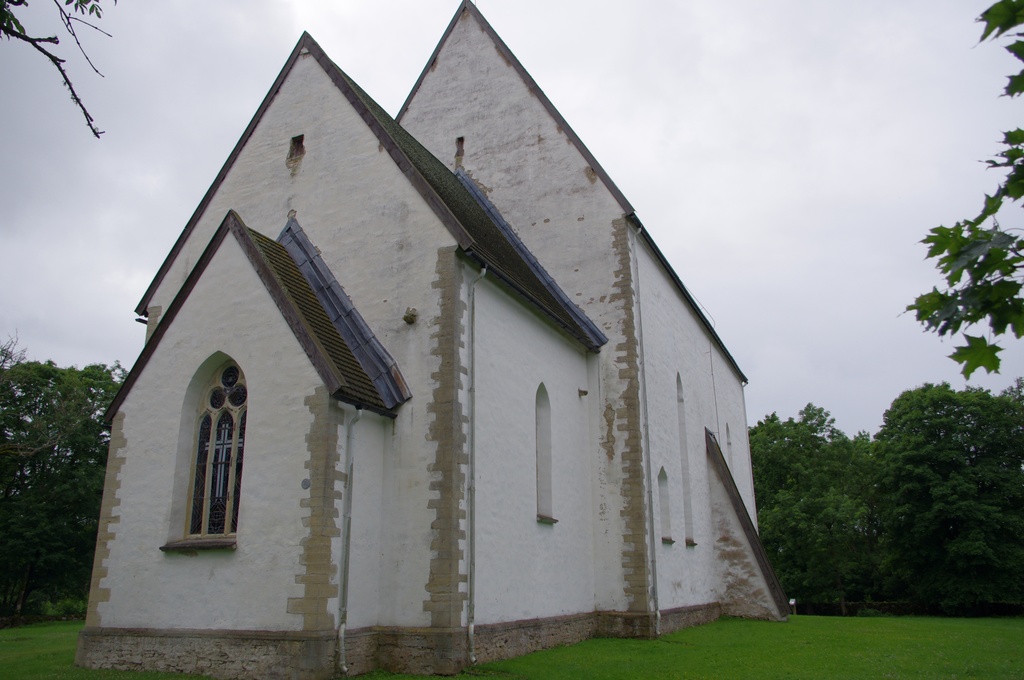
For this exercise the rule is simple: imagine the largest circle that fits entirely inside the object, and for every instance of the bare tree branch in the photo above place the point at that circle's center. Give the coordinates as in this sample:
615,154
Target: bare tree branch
11,28
67,20
58,63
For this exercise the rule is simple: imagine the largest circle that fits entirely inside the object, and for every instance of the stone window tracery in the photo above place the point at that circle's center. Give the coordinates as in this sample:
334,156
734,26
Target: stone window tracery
219,451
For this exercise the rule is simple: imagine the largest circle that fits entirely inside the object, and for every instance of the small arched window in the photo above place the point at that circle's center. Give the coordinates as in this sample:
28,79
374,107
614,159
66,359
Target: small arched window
665,507
685,459
220,446
543,424
728,445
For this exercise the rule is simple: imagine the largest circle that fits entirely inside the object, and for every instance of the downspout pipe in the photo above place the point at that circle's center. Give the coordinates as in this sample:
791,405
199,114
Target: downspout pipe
346,540
471,473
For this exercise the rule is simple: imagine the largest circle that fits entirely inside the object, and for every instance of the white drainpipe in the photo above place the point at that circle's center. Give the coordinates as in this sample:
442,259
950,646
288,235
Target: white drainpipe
471,472
346,539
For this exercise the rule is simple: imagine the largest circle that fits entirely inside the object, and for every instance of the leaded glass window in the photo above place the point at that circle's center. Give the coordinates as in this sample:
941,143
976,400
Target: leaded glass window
220,441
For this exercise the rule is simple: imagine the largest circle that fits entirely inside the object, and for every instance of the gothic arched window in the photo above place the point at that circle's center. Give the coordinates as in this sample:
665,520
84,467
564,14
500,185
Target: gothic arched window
220,446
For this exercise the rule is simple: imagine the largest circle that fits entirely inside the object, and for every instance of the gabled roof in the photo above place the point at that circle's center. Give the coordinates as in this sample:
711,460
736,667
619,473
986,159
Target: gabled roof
595,338
460,211
217,181
468,7
331,356
376,361
531,84
462,215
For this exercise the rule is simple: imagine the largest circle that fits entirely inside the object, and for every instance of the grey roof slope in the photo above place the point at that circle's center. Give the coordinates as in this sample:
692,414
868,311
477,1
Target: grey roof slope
597,337
466,6
331,356
375,360
468,222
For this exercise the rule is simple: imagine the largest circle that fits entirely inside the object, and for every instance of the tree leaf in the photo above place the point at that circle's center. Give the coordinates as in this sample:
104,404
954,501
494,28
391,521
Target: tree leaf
977,353
1016,49
1015,85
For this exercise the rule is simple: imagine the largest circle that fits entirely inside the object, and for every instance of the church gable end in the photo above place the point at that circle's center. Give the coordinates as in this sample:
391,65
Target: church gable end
428,425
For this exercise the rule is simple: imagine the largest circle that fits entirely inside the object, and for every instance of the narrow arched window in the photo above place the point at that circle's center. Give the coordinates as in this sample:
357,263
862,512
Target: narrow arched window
220,447
684,457
728,445
665,507
543,416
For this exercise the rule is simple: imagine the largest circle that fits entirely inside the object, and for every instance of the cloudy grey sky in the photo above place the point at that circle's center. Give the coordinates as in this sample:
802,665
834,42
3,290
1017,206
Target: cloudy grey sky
787,156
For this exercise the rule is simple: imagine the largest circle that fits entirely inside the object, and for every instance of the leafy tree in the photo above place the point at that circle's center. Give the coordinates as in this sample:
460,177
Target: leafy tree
53,447
814,506
952,476
980,261
12,29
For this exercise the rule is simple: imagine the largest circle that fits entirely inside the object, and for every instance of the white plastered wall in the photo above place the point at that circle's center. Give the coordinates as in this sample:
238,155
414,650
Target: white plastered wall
228,314
371,436
675,342
526,569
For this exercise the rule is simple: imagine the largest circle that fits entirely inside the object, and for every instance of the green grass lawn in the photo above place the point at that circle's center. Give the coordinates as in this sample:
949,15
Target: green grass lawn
806,647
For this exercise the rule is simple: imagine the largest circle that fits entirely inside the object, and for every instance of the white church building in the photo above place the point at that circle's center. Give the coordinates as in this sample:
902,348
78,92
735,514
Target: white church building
417,393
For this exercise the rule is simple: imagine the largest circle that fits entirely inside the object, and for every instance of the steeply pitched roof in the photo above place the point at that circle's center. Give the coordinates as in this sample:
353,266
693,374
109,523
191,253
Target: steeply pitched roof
555,294
334,359
531,84
375,360
218,180
331,356
463,216
461,211
468,7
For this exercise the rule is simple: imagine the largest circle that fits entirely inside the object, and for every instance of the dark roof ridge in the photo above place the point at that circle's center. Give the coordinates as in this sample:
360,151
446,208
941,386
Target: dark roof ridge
341,377
378,363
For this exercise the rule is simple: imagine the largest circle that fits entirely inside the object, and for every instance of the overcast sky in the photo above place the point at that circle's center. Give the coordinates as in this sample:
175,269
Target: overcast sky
787,156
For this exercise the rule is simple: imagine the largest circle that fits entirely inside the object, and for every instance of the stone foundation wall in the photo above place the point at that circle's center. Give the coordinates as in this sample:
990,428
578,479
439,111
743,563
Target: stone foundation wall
626,625
230,655
688,617
238,655
506,640
427,651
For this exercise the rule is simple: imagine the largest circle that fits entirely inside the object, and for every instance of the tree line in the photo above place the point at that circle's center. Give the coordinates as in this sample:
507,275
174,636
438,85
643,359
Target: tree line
53,453
929,511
